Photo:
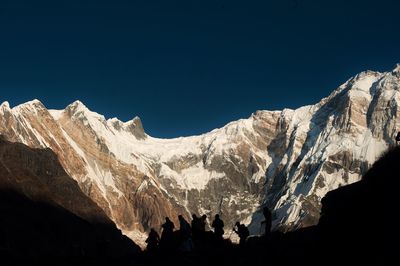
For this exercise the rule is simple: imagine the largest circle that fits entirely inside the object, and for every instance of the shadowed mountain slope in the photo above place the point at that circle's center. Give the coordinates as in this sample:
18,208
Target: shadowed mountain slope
45,216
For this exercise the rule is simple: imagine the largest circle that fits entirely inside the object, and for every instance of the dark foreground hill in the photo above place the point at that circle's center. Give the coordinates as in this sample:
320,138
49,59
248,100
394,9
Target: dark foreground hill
358,225
46,219
361,220
38,233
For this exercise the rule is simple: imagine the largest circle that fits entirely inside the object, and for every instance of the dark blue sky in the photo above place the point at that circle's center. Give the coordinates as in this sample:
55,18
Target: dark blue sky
186,67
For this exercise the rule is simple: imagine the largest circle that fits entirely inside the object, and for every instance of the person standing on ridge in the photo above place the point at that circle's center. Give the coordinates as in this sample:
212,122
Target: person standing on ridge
196,226
167,234
202,223
267,223
218,226
186,243
153,240
243,232
184,227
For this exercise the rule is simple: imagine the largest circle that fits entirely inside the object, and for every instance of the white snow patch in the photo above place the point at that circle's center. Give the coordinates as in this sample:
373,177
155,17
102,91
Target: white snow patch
56,114
195,177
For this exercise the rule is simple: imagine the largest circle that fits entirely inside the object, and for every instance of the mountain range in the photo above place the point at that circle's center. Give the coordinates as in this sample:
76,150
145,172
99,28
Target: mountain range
286,160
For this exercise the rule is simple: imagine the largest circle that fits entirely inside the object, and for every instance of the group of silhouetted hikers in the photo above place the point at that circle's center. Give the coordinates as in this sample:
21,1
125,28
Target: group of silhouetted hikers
189,235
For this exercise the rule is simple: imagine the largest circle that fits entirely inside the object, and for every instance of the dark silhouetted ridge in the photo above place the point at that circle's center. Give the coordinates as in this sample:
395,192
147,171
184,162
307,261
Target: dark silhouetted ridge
361,219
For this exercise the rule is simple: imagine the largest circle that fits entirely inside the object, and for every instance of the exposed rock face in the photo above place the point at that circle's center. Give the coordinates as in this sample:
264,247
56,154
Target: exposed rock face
45,215
37,174
287,160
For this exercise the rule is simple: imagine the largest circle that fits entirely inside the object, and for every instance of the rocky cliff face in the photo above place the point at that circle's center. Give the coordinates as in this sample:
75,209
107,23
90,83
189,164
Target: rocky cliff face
287,160
38,175
46,216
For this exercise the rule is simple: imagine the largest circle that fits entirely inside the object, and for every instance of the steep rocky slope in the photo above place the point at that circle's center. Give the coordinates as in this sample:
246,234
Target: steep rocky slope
45,216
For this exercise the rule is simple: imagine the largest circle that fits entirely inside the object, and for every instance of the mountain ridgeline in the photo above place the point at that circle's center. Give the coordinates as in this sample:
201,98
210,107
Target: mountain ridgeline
286,160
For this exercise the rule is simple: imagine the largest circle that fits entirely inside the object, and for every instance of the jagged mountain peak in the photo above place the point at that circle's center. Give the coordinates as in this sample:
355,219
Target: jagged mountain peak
396,70
78,108
136,119
135,127
363,81
5,105
35,103
34,107
367,73
118,122
77,104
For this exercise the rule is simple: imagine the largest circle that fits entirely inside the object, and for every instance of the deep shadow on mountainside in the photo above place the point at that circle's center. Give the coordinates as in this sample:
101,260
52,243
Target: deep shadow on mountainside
46,219
357,224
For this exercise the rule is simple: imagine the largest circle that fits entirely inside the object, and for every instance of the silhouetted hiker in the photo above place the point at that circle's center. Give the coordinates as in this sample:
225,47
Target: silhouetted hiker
195,226
199,229
152,240
243,233
167,234
185,233
184,227
218,226
267,223
202,223
398,137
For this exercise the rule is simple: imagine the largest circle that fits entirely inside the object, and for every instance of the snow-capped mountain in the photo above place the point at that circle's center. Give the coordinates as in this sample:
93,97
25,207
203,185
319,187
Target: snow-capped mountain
287,160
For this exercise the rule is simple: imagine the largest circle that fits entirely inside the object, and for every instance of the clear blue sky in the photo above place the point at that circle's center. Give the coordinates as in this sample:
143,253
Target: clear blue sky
186,67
